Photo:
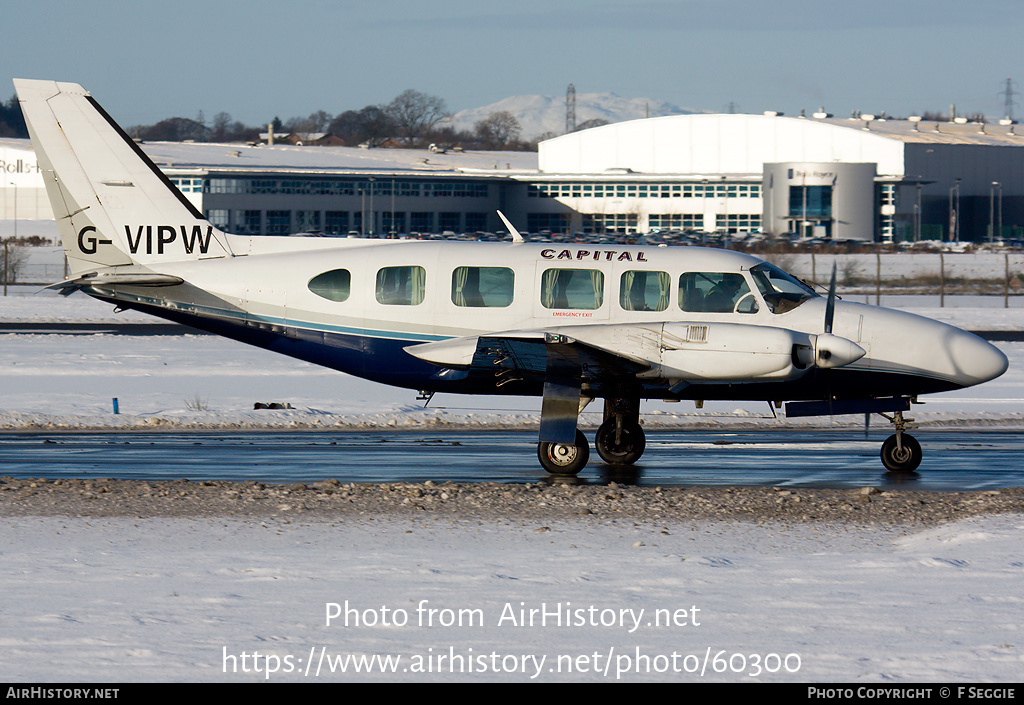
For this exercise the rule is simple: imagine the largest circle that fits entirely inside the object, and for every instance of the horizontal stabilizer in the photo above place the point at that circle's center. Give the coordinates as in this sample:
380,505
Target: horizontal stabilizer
69,286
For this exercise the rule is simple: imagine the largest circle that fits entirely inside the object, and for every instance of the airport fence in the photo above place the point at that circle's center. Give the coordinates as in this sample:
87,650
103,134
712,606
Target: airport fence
986,274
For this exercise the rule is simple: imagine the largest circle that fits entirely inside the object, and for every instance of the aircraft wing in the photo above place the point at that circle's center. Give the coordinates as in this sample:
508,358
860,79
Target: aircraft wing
561,361
532,353
539,355
704,352
600,357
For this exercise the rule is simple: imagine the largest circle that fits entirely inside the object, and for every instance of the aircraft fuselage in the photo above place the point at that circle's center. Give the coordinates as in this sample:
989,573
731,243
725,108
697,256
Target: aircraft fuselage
389,295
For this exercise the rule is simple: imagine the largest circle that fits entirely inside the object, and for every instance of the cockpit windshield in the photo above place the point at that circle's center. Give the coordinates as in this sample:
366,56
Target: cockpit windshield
781,291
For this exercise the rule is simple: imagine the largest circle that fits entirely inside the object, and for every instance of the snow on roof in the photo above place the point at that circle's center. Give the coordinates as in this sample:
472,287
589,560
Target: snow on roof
234,156
935,131
238,156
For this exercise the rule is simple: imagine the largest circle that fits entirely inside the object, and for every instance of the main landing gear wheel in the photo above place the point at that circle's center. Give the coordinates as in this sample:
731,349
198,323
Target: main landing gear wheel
901,453
624,448
564,458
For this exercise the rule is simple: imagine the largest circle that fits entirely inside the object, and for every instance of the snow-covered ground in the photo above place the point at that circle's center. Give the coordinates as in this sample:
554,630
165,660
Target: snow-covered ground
142,599
147,599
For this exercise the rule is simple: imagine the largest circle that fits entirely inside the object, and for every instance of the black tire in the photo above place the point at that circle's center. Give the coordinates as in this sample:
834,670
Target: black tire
564,458
632,443
906,461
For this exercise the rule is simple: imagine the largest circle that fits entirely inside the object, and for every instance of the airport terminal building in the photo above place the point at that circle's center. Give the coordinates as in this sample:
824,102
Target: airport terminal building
865,179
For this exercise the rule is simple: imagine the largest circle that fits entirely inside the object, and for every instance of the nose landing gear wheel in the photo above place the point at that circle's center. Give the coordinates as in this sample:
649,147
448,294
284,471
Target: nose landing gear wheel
901,455
630,446
564,458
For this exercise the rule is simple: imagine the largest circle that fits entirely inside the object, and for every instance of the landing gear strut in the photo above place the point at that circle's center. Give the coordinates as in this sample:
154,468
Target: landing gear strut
901,452
620,439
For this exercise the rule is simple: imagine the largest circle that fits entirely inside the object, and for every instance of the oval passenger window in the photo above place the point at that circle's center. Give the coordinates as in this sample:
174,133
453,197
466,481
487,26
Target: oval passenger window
334,285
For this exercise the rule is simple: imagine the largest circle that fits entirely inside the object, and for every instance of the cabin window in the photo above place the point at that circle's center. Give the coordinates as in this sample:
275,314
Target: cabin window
335,285
645,291
572,288
715,292
482,287
401,286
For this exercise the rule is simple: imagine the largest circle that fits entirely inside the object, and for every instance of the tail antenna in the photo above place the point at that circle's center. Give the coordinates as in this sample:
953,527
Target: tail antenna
516,237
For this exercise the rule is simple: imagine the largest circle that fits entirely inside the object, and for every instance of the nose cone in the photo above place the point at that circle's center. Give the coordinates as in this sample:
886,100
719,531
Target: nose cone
975,360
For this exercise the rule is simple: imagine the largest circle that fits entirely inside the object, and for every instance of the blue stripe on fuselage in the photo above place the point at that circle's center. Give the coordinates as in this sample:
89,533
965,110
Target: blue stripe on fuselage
371,354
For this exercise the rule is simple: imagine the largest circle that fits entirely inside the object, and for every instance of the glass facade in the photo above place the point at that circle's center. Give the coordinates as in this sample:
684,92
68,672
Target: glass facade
337,205
737,223
610,222
447,188
810,201
676,221
554,222
378,206
336,222
188,185
279,222
634,189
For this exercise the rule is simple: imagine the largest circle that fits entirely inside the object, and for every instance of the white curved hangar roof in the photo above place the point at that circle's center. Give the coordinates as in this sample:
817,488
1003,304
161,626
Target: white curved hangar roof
716,144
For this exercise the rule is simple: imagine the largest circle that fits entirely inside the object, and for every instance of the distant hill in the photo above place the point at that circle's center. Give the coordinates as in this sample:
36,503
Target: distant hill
540,114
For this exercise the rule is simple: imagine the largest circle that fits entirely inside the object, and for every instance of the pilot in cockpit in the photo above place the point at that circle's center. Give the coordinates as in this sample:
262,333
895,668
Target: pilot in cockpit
722,298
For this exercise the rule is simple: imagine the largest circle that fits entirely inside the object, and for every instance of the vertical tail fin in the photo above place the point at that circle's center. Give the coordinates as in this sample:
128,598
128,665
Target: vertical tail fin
112,205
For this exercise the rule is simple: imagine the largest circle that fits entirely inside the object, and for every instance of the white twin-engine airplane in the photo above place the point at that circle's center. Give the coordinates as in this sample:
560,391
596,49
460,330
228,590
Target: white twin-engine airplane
571,323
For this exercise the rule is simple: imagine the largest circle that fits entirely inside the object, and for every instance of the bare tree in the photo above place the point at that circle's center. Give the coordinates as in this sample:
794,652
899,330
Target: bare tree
593,122
319,120
175,129
498,130
12,122
221,126
316,122
414,113
14,259
370,125
531,144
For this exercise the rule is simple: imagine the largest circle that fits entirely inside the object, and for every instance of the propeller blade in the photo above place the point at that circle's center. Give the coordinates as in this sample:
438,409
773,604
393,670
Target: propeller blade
830,307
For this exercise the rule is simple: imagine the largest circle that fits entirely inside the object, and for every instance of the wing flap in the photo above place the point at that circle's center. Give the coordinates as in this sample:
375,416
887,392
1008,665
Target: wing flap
520,354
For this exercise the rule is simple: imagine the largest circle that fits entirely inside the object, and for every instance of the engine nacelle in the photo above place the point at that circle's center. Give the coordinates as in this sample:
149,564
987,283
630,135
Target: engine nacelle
730,352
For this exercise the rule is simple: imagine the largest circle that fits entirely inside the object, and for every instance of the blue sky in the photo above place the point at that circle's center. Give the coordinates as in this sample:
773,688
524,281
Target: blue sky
145,61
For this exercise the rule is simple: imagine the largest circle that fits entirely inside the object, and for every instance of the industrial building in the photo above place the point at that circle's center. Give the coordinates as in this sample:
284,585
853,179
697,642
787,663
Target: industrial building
865,178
